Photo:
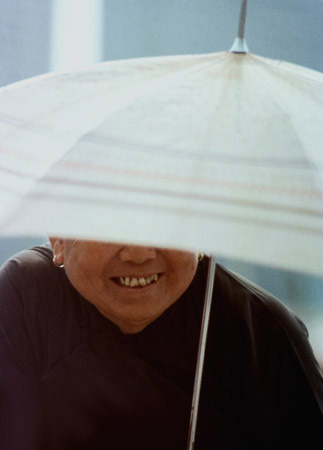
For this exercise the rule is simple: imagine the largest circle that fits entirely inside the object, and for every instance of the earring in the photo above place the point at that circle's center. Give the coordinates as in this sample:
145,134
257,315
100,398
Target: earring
200,256
56,263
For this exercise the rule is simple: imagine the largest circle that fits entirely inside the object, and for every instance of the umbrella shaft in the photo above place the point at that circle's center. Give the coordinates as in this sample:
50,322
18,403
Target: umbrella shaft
242,21
201,353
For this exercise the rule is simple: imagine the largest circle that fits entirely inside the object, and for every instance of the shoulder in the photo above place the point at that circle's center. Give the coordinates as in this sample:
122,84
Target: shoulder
25,277
245,304
248,300
40,312
266,334
18,278
26,266
257,313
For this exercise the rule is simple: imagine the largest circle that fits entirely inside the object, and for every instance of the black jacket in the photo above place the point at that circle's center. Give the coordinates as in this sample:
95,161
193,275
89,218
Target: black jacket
69,379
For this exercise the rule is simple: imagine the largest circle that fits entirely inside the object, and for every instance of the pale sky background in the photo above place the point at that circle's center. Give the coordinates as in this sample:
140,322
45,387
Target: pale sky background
37,36
41,35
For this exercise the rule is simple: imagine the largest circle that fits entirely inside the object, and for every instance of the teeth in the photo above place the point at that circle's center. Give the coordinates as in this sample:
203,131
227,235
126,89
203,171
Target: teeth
134,282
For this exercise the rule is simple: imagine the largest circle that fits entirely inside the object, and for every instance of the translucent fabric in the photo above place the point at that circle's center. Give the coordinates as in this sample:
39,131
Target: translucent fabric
217,152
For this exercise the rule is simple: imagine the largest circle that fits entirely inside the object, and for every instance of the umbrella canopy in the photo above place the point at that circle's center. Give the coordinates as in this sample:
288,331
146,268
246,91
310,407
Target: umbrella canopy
217,152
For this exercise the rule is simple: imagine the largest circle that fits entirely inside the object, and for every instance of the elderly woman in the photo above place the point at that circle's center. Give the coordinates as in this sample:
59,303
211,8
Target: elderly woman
99,344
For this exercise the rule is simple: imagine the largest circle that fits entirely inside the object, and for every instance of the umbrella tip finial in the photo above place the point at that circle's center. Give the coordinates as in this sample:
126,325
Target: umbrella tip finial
240,44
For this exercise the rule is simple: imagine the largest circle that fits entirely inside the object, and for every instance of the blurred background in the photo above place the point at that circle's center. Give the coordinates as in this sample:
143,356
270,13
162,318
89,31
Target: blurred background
38,36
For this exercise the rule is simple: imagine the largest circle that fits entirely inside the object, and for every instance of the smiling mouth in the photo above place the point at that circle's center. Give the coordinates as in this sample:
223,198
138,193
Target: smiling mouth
132,282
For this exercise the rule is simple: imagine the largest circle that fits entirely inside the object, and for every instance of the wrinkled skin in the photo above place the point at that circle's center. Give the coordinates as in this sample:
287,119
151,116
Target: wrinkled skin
95,268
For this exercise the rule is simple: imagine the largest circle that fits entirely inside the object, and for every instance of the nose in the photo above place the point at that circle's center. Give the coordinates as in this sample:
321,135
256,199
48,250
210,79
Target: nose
137,254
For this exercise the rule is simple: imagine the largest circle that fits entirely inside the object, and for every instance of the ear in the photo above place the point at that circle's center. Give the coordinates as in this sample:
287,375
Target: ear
58,248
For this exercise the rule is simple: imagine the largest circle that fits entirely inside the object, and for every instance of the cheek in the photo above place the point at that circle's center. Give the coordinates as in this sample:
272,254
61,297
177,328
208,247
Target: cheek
84,277
191,271
184,273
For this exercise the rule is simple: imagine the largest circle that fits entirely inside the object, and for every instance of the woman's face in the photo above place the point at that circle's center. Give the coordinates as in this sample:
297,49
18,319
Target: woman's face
130,285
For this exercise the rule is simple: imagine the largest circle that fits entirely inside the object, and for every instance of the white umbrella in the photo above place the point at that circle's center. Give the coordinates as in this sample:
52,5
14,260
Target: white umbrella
217,152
